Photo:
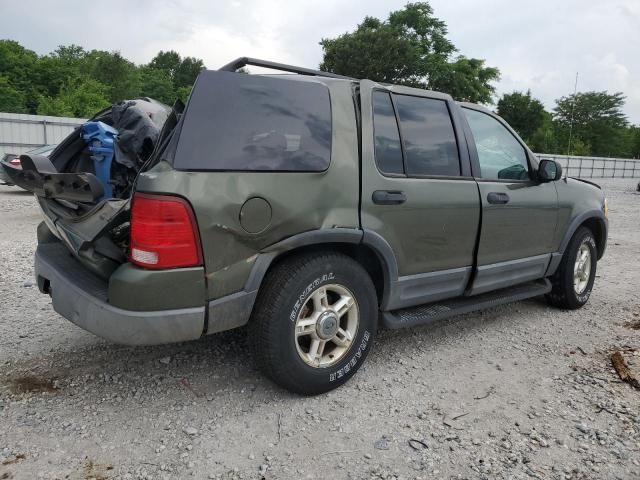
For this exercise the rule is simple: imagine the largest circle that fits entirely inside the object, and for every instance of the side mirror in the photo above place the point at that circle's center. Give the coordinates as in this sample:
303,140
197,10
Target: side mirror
549,170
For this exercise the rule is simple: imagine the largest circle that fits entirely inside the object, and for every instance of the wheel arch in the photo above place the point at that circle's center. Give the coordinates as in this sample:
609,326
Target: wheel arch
599,230
367,248
596,222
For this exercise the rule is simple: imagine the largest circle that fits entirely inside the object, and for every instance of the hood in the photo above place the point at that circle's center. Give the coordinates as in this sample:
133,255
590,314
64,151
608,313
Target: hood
585,181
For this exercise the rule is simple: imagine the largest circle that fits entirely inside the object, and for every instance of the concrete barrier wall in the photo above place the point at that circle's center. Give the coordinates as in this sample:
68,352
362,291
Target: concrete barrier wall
596,167
20,132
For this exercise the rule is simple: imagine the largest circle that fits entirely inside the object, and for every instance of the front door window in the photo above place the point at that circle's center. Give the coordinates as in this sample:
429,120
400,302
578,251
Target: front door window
501,156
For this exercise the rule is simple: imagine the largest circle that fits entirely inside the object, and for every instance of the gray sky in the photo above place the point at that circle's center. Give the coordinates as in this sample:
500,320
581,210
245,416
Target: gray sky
536,44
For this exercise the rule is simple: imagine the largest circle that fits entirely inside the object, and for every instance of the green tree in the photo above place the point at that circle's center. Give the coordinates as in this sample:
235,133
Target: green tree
79,99
17,93
466,79
523,112
181,71
598,121
156,84
544,139
72,81
86,98
16,62
409,48
635,142
187,72
183,93
120,76
11,99
62,67
167,62
54,106
580,148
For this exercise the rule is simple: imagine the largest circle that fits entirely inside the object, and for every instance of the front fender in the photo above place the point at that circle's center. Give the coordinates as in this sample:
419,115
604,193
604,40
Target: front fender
593,218
588,216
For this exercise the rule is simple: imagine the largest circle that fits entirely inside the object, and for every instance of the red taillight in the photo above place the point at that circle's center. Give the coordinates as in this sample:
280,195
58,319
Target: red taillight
164,233
15,161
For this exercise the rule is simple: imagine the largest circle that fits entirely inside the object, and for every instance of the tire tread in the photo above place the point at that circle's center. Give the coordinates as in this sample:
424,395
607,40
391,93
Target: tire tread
562,294
276,286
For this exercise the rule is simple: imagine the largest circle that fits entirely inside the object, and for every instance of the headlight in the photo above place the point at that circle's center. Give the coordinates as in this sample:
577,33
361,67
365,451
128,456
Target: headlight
605,208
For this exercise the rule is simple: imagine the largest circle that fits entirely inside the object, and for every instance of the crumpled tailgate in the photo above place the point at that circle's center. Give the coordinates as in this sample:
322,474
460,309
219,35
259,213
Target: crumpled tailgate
38,175
87,237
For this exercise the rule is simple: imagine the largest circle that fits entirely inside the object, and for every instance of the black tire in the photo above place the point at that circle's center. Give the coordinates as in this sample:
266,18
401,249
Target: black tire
286,289
563,293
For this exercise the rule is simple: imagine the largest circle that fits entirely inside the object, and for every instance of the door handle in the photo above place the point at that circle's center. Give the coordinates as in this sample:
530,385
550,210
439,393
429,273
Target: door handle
388,197
498,198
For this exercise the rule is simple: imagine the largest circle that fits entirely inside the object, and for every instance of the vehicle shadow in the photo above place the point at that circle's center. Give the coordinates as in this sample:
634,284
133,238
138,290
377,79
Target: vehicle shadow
199,369
14,192
214,366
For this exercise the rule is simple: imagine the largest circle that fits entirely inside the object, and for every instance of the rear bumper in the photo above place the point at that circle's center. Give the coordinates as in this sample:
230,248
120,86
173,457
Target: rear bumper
81,298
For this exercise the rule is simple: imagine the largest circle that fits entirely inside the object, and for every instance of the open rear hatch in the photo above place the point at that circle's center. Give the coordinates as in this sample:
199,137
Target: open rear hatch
85,186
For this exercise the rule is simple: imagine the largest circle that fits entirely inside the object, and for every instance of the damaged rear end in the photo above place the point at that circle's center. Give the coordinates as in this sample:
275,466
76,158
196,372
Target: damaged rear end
86,190
161,225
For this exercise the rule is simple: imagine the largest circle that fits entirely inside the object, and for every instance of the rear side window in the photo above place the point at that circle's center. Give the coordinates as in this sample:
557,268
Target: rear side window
427,132
388,151
250,122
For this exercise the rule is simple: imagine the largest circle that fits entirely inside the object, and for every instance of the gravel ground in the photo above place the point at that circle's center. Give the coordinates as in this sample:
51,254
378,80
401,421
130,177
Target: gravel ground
518,391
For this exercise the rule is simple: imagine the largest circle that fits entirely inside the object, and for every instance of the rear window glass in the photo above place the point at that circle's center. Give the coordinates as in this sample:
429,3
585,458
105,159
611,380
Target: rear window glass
250,122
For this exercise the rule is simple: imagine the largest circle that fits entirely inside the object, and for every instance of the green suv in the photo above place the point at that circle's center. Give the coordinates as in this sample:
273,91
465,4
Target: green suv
312,208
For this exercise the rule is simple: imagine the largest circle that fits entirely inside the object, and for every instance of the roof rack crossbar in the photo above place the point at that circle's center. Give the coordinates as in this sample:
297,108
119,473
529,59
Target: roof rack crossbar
256,62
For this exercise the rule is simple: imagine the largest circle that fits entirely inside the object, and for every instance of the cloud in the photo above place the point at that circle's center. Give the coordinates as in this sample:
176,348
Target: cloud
541,45
537,45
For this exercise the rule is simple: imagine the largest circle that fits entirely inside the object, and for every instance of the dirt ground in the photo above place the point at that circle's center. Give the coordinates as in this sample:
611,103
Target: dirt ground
518,391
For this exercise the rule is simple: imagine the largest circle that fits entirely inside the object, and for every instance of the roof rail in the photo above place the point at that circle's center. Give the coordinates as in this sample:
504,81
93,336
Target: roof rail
256,62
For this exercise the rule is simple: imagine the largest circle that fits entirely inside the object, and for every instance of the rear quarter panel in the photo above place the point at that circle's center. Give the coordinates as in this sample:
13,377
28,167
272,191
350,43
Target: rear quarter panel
299,201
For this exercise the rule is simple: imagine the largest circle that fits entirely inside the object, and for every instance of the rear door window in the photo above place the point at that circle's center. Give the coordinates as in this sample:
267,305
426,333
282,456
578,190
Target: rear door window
251,122
388,151
430,146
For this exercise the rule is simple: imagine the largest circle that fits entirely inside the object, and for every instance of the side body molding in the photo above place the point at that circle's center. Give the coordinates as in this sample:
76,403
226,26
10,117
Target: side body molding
235,310
313,237
397,292
372,240
387,258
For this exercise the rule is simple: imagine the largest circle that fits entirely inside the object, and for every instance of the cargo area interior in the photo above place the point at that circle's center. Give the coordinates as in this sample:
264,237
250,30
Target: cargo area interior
85,186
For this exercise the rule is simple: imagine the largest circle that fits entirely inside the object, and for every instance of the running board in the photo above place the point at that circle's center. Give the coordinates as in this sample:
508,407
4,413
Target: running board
433,312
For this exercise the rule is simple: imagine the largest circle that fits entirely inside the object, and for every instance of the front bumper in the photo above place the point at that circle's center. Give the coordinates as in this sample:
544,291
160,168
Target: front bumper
81,298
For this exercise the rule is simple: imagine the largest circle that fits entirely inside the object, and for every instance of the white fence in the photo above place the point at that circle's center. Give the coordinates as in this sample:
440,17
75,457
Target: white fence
20,132
596,167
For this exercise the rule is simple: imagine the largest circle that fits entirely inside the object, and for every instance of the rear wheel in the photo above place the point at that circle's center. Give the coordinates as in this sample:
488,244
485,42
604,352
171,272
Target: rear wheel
314,322
573,281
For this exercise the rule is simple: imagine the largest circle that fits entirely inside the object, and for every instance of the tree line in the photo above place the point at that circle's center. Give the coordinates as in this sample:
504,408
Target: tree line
410,47
585,124
74,82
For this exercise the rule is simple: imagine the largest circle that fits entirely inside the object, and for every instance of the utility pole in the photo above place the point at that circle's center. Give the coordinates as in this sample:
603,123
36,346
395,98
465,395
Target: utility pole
573,105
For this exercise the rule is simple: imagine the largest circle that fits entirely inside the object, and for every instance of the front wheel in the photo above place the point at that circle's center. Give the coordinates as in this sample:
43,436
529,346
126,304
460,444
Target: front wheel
573,281
313,322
